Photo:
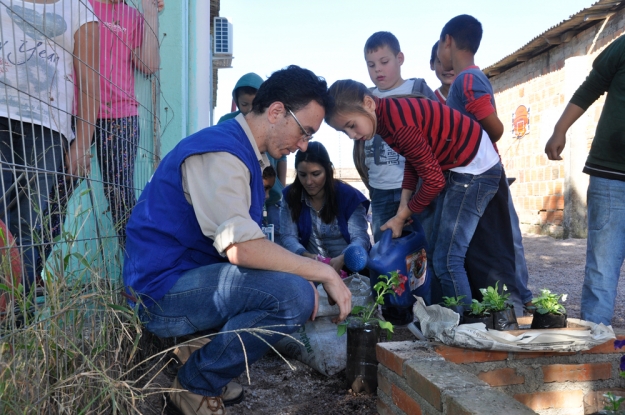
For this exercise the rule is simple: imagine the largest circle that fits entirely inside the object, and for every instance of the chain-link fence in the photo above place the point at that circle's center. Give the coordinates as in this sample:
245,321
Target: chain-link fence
79,135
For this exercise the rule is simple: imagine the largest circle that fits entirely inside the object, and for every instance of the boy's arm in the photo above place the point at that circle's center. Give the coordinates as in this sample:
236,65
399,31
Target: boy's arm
477,100
556,143
493,127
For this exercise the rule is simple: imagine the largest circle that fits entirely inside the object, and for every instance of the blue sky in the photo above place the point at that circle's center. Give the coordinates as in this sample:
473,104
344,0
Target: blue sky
328,36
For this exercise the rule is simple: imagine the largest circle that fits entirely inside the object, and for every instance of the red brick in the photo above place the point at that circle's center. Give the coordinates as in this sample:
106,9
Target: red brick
577,373
390,360
383,408
461,355
405,402
607,347
384,384
551,399
502,377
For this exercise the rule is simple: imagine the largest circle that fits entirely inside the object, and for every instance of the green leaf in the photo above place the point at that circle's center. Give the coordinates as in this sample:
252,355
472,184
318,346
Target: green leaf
341,329
387,325
358,309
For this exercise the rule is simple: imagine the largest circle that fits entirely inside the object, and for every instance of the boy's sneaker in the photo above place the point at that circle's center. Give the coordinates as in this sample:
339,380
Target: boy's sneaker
188,403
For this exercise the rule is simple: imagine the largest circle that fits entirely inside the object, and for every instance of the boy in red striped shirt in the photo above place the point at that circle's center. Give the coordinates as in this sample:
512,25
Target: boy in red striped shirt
447,154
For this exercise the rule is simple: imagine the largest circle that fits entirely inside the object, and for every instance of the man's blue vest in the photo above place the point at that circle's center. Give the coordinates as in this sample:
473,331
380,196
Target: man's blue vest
348,200
163,236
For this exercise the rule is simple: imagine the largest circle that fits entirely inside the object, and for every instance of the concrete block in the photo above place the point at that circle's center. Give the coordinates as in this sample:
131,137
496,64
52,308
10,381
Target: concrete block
394,354
483,402
431,378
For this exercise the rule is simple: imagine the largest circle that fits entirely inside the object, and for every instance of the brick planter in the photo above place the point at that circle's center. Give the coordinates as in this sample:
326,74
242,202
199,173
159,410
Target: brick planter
431,378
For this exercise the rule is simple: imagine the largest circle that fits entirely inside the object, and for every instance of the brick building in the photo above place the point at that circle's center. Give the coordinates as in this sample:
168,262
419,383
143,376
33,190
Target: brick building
532,86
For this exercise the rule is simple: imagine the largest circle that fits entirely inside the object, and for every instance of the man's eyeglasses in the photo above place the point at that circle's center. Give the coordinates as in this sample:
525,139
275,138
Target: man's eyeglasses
307,135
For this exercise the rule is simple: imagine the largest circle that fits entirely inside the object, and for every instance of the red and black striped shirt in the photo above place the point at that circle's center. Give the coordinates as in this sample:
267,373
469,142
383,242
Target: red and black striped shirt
432,138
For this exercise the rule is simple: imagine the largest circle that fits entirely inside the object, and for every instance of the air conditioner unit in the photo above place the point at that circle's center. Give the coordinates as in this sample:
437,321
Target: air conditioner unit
222,43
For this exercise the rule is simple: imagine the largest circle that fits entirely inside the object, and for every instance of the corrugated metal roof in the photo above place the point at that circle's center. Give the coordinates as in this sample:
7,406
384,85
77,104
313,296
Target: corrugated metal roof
558,34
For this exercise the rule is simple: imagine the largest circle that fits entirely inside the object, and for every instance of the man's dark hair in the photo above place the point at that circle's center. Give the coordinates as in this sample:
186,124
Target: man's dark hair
433,55
295,87
466,31
381,39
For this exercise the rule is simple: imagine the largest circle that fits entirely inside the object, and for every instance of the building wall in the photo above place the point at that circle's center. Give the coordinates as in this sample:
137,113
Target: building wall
550,196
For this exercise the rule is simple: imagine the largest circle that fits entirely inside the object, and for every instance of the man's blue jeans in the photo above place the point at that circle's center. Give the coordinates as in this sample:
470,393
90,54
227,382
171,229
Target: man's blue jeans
465,199
605,249
229,298
384,205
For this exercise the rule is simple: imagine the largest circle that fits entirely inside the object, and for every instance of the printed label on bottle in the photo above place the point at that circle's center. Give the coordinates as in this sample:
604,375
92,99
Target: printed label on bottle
417,264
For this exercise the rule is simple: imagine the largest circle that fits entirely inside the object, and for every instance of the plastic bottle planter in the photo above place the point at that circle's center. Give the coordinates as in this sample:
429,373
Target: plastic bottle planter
468,318
505,319
548,321
362,365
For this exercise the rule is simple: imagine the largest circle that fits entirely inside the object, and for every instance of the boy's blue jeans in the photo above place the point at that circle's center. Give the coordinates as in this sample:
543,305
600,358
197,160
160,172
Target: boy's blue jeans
461,207
384,205
228,298
605,250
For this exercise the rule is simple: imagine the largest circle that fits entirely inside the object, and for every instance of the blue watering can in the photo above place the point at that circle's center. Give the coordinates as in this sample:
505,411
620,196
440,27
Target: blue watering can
406,254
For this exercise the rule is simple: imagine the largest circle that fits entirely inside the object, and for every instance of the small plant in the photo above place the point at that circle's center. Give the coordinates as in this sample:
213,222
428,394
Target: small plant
478,309
493,301
393,283
613,403
451,302
549,303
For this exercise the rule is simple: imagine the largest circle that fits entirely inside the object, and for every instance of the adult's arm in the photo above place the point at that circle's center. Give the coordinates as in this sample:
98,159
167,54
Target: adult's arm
604,68
264,254
357,227
235,233
146,58
86,64
556,143
289,235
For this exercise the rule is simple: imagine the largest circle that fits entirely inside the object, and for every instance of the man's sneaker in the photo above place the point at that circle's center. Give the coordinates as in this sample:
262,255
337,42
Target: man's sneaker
184,351
183,402
231,394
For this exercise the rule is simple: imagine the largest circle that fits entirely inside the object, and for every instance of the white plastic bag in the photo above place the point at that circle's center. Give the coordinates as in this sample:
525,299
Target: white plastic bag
320,346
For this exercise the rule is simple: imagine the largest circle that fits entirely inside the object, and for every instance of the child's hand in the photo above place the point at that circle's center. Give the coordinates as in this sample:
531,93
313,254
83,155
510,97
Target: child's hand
396,224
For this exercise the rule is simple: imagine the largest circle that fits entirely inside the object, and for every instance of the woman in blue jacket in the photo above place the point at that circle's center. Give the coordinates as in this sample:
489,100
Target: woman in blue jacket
321,216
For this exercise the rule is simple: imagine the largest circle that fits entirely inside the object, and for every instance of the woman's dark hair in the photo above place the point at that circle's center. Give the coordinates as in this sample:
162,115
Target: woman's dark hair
295,87
316,153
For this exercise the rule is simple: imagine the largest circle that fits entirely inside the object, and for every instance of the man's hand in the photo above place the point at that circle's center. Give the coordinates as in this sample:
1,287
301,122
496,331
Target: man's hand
314,313
339,294
396,224
555,145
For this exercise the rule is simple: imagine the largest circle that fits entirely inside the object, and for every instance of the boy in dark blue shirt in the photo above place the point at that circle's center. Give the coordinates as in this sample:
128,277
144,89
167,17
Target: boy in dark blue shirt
498,239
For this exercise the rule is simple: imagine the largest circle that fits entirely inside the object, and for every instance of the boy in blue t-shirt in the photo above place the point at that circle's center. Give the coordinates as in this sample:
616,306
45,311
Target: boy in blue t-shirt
379,166
490,253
